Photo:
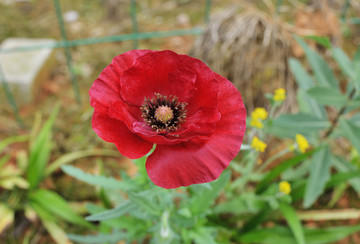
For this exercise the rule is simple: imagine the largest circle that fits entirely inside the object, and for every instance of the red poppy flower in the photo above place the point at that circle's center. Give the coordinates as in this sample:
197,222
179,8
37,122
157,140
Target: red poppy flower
195,117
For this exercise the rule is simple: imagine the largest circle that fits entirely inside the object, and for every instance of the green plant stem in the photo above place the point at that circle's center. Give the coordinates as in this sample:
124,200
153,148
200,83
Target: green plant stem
271,159
339,114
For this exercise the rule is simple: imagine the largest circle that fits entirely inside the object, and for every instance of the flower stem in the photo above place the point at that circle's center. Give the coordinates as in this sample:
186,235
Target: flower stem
341,112
271,159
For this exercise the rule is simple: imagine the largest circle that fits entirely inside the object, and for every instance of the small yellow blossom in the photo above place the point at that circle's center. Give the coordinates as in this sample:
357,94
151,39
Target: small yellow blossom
279,95
256,123
302,143
258,145
259,113
257,116
285,187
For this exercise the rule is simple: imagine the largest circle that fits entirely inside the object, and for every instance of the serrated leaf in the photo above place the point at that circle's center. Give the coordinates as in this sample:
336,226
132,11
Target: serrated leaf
351,132
323,73
293,222
96,180
288,125
328,96
319,175
56,205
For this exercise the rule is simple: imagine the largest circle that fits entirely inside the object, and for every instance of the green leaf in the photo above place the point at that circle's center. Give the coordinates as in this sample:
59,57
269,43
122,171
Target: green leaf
293,221
6,217
49,223
323,73
305,82
275,235
145,203
346,168
327,96
288,125
4,160
322,40
67,158
99,238
255,221
203,235
351,132
40,151
243,204
125,208
96,180
319,175
344,63
276,171
14,139
338,193
357,66
56,205
204,198
279,234
302,77
309,105
329,235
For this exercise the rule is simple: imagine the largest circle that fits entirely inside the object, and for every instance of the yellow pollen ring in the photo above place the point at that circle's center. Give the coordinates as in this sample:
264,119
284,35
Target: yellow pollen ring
164,114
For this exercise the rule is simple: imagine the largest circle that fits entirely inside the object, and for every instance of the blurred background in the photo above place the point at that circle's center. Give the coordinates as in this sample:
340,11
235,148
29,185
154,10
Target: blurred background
52,51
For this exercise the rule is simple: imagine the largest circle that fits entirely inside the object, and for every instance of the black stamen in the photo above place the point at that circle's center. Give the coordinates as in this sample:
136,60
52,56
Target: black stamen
149,107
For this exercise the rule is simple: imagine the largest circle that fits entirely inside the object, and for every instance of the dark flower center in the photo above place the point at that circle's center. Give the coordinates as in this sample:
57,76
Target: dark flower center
163,113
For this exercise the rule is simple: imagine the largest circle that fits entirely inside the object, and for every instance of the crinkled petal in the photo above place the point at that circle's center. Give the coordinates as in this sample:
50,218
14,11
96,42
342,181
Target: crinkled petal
106,89
157,72
115,131
171,166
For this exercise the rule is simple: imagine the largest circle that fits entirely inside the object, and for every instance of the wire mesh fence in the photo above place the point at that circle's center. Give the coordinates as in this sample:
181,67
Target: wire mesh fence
66,44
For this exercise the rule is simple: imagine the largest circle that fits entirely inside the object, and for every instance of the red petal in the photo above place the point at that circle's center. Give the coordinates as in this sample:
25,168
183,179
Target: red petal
185,164
157,72
106,89
115,131
171,166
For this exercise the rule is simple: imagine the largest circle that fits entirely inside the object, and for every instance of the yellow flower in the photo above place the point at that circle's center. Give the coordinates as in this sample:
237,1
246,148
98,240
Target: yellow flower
258,145
279,95
257,116
302,143
285,187
259,113
256,123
